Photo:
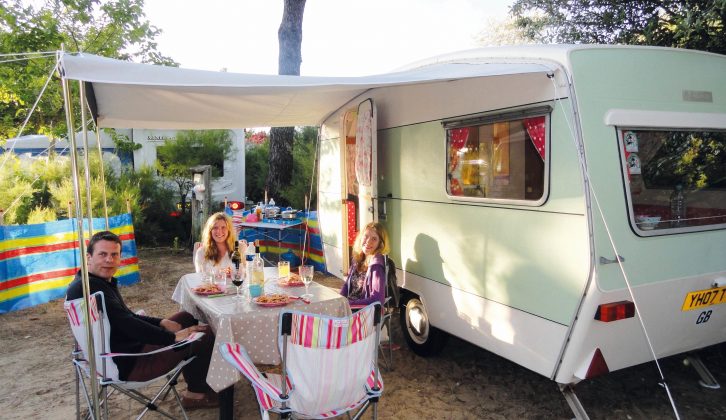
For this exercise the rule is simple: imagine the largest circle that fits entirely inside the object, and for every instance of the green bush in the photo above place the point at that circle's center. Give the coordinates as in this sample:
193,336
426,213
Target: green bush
40,191
257,158
256,167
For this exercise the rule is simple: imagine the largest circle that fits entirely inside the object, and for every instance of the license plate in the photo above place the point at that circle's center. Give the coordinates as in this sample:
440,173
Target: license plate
704,298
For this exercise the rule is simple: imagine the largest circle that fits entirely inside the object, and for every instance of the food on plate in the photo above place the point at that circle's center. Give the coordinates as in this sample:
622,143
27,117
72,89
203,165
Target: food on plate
292,280
272,298
207,289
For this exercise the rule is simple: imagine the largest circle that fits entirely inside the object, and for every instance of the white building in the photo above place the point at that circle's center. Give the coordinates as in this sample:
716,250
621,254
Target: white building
231,185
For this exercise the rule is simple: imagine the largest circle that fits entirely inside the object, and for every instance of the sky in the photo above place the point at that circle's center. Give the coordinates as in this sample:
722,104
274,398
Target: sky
340,37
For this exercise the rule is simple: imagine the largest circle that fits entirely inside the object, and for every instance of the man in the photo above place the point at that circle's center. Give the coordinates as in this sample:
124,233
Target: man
132,333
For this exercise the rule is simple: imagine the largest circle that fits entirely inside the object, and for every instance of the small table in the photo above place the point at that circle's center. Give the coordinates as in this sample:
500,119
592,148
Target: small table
253,326
265,227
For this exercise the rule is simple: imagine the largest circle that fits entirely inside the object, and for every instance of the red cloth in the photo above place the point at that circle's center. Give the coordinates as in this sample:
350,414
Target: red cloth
536,130
352,232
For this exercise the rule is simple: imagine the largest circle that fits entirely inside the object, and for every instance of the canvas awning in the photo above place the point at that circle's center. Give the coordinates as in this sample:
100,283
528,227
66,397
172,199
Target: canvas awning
131,95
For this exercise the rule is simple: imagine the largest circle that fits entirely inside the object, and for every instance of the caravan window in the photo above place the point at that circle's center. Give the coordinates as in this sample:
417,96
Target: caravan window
676,179
499,157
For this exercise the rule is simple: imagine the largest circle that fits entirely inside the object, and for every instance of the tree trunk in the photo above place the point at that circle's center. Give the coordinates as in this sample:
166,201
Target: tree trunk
281,138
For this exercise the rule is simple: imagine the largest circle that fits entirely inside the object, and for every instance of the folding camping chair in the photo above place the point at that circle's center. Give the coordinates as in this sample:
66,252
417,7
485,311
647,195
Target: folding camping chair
329,366
390,306
393,297
106,370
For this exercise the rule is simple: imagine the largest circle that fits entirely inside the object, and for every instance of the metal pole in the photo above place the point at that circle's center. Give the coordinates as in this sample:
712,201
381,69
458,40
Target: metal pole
93,380
84,130
103,178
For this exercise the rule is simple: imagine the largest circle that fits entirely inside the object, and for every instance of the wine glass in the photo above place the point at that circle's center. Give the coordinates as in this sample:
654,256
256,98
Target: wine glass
238,277
306,274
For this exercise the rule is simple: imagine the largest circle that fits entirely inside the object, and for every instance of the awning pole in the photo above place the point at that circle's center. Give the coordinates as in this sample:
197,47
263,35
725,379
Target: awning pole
103,178
93,380
86,150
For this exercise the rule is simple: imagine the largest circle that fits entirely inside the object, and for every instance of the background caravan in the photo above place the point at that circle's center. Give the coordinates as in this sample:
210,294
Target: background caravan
563,207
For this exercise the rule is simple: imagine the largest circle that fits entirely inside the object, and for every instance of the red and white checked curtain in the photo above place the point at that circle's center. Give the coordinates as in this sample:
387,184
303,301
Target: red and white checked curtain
536,130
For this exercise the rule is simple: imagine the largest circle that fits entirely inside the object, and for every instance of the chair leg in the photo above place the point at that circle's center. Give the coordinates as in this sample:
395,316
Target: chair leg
387,359
78,393
105,394
178,401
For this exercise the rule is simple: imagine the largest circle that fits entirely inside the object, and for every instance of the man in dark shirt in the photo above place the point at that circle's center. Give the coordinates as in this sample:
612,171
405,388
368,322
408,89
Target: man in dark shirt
132,333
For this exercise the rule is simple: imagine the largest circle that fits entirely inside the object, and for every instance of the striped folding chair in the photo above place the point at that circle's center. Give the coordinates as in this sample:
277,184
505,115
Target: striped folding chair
106,370
329,366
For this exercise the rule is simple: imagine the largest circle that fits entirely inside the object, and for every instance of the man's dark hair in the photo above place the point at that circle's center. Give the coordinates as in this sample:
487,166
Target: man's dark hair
102,236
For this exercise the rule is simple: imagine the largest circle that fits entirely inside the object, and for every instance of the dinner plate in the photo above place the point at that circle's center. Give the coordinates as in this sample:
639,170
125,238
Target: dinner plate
284,283
271,304
293,281
207,292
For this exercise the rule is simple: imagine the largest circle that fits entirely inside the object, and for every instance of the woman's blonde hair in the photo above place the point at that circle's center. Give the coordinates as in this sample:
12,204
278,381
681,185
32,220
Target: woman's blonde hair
383,244
211,252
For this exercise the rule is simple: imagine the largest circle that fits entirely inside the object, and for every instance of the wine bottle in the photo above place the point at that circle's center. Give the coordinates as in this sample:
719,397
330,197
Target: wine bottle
236,257
257,283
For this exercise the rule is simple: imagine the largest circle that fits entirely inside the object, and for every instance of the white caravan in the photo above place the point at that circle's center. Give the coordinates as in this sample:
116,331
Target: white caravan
530,201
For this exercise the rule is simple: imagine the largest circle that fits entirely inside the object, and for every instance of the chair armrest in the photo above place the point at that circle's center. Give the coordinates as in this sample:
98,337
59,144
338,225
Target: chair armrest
190,339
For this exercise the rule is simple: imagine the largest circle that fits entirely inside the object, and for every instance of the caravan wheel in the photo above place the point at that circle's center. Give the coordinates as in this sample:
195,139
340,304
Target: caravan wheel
423,338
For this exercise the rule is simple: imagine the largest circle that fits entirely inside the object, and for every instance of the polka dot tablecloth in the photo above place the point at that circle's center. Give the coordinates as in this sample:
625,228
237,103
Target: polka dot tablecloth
244,322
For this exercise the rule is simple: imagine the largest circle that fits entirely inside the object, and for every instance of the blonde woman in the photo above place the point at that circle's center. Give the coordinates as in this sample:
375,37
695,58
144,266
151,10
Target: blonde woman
366,281
218,239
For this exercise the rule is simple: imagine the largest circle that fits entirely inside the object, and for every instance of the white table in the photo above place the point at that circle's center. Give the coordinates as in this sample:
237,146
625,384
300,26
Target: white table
249,324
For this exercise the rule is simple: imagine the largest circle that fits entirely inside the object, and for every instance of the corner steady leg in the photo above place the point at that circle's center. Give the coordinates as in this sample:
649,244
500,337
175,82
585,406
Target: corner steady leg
568,391
707,379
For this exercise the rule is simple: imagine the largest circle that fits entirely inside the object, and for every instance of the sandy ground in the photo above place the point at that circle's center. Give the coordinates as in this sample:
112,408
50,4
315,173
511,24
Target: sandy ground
464,382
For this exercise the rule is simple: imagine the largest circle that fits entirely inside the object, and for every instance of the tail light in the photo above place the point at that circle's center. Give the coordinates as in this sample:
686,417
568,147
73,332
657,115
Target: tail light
608,312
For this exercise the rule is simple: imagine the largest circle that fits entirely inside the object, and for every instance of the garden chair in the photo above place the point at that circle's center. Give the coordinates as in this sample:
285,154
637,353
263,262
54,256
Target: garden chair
106,370
393,298
329,366
390,306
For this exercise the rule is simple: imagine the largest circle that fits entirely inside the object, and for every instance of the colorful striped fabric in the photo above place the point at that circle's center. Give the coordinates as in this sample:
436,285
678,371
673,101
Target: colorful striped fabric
341,352
292,239
265,390
38,261
315,331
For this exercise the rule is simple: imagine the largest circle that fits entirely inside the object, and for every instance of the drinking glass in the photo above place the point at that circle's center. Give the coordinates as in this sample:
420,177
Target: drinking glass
238,276
283,270
207,274
218,277
306,274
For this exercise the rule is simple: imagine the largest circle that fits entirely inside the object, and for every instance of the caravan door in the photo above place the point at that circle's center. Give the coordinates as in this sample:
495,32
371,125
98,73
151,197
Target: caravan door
347,199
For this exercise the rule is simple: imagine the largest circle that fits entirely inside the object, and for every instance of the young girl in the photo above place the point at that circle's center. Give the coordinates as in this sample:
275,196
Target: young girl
218,239
366,282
